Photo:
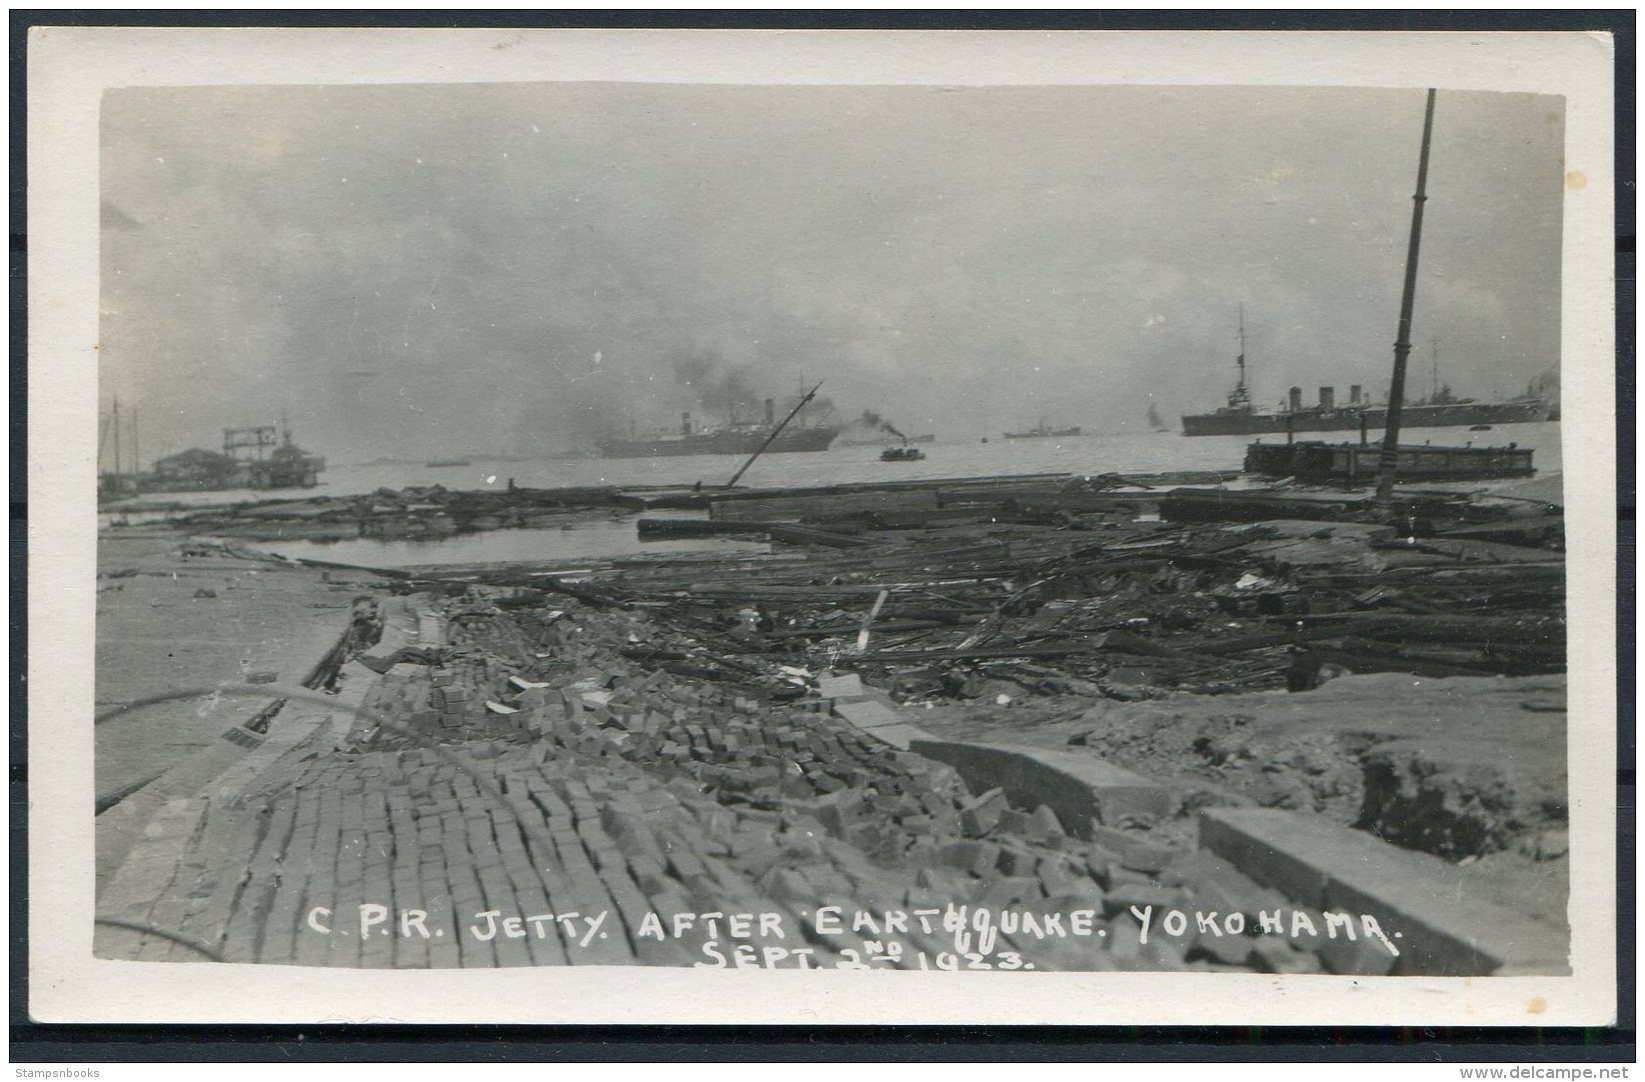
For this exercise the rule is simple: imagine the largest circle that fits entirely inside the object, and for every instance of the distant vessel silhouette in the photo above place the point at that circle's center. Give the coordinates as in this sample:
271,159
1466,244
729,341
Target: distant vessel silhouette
731,439
1043,431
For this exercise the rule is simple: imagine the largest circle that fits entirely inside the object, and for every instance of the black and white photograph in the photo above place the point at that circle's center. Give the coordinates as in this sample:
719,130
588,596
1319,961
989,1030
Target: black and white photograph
900,526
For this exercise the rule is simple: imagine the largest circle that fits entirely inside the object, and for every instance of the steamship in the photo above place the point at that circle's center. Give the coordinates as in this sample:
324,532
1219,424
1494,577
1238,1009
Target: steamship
1043,431
731,439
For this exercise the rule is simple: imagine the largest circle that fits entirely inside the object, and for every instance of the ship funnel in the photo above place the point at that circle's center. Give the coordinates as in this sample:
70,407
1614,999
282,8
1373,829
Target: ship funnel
1327,397
1353,394
685,423
1296,399
770,412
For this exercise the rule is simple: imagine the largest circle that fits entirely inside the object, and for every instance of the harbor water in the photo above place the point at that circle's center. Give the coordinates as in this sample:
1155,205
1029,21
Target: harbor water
1125,452
1122,453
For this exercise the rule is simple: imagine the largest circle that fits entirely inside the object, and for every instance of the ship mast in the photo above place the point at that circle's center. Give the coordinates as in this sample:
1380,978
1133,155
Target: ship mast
1240,397
1434,397
1402,344
775,432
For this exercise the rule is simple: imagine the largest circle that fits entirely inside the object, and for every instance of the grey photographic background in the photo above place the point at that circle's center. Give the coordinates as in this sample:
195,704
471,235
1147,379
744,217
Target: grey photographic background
399,266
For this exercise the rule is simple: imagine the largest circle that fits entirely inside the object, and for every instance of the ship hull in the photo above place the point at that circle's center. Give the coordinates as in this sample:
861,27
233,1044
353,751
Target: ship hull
1462,414
1061,433
720,443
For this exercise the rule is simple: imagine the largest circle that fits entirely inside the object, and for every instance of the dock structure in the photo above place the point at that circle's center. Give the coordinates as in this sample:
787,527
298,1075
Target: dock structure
1358,464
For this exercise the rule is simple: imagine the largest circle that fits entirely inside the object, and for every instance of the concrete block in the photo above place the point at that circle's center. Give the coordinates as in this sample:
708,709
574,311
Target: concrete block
1200,866
1116,842
1058,877
1015,861
899,736
848,686
1146,857
1015,821
1006,890
976,857
838,812
1078,788
982,814
1444,927
867,714
1045,826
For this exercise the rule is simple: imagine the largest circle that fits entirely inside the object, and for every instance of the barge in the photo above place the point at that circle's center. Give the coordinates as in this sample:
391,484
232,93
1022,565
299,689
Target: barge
1357,464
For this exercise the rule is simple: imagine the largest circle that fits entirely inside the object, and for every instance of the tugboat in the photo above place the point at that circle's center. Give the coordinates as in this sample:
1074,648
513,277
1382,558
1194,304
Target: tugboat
905,453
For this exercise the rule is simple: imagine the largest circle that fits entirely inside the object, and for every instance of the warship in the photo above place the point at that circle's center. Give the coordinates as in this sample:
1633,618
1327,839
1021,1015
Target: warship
1240,417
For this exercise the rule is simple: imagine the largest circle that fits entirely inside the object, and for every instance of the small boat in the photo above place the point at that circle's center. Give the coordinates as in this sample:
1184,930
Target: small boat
446,463
901,454
1479,428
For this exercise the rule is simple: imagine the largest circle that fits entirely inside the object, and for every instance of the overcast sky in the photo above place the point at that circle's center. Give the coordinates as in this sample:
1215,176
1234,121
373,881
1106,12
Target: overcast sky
409,270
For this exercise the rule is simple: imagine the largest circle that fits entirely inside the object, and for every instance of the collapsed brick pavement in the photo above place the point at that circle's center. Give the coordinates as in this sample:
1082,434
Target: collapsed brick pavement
659,817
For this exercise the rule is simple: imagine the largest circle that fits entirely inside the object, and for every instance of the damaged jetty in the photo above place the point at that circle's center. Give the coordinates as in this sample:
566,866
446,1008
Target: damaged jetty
1043,722
1048,722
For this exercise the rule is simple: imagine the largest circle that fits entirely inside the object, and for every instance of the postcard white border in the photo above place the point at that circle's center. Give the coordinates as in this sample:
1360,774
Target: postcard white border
70,67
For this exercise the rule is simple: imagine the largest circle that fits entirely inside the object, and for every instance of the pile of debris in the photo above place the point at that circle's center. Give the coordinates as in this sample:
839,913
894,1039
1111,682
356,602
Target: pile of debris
1123,608
673,802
